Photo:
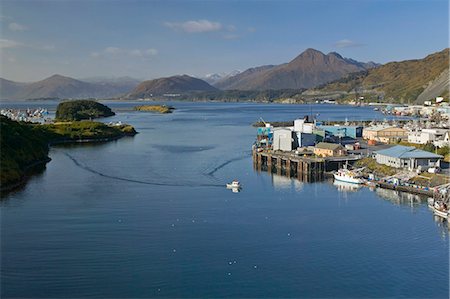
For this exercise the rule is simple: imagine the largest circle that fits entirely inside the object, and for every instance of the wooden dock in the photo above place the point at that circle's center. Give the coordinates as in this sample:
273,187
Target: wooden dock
303,167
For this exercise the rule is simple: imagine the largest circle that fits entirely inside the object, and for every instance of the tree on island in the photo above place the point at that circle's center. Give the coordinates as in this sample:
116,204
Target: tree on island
81,109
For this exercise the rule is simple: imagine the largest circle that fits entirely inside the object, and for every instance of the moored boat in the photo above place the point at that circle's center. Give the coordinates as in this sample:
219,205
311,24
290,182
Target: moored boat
439,208
348,176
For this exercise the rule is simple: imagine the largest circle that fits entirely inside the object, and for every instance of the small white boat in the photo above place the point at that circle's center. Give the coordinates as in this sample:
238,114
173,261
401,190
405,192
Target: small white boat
234,185
348,176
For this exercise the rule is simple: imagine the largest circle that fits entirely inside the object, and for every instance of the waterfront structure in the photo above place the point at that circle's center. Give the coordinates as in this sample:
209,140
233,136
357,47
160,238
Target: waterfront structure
343,130
282,139
304,139
325,149
407,157
264,136
384,134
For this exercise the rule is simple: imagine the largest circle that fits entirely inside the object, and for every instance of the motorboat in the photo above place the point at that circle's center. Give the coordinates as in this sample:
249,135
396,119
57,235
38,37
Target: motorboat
234,185
346,175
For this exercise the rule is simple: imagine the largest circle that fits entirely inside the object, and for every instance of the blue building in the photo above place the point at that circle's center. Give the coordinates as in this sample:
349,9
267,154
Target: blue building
304,139
343,131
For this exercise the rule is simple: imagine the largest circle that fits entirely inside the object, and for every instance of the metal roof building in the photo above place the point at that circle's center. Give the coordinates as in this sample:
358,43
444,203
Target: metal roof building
409,157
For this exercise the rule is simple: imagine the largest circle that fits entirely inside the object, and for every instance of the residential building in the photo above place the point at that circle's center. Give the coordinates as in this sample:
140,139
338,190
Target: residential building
324,149
445,141
421,137
407,157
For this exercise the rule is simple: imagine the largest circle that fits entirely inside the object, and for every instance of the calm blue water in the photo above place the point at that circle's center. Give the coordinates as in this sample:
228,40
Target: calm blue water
149,216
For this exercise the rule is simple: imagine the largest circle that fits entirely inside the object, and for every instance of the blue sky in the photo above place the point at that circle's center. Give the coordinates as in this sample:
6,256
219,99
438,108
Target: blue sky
150,39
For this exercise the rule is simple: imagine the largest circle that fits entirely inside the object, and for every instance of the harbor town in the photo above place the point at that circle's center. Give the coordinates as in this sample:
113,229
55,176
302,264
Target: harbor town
410,155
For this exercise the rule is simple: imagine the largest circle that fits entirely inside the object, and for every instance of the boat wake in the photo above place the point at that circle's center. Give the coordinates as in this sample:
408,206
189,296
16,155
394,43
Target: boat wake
179,184
219,167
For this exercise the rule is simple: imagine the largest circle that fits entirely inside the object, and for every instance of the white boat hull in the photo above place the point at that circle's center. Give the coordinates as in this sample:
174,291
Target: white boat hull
348,179
440,213
232,186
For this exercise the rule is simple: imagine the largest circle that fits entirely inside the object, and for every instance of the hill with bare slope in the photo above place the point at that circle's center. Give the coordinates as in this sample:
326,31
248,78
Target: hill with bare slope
406,81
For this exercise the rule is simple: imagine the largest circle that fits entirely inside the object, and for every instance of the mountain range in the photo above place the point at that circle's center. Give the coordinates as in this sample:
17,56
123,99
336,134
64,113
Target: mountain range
416,80
58,86
309,69
324,75
216,77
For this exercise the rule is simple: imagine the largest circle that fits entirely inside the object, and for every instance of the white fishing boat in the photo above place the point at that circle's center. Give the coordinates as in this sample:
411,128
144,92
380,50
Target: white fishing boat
346,187
439,208
443,213
348,176
234,185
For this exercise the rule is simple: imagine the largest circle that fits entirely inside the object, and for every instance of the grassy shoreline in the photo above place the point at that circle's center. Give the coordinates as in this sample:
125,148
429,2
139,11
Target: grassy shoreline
25,145
155,108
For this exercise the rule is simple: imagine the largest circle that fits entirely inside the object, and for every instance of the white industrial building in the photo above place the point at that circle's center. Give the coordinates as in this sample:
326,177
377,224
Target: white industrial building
282,139
407,157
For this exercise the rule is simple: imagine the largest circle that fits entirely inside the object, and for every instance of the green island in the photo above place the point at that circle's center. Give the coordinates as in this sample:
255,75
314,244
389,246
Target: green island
155,108
26,145
81,109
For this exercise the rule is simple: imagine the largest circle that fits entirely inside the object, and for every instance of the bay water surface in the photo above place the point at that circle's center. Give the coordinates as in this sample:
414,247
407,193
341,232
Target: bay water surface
149,216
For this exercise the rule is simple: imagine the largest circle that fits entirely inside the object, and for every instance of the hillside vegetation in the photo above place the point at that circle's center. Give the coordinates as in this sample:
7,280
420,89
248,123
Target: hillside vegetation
81,109
24,144
21,146
155,108
395,81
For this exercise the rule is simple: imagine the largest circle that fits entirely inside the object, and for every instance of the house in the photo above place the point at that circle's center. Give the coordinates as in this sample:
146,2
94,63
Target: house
421,137
445,141
343,131
324,149
283,139
407,157
384,134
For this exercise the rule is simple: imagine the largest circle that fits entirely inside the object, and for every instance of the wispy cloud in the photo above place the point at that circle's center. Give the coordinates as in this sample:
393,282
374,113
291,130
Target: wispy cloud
114,52
231,36
197,26
17,27
346,43
11,44
8,43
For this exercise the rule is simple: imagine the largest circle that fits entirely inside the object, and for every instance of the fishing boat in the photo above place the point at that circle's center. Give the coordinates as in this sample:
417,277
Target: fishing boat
348,176
345,186
234,185
439,208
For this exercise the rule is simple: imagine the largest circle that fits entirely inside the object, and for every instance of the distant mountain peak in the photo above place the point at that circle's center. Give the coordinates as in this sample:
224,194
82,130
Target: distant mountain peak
335,54
179,84
312,51
310,68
